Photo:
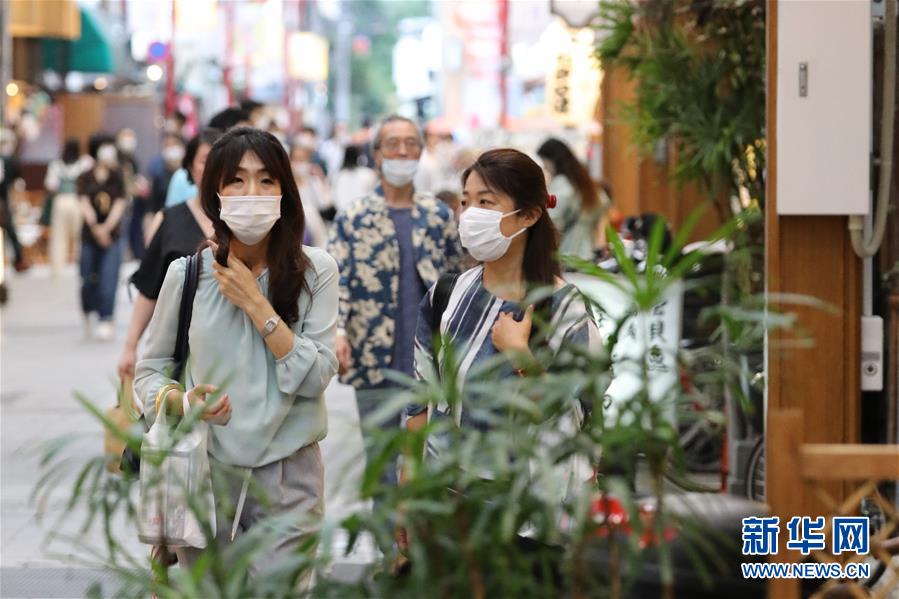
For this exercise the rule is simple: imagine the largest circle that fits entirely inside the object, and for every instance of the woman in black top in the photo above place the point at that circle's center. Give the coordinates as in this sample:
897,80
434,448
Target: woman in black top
102,196
175,232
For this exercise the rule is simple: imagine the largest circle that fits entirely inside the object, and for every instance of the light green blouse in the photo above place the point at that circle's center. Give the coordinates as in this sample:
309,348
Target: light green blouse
277,405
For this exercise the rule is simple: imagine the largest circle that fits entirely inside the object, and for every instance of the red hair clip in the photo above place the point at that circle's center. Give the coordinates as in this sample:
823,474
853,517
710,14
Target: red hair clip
551,201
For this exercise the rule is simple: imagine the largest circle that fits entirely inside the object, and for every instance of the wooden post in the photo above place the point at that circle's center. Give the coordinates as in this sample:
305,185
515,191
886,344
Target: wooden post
811,256
784,487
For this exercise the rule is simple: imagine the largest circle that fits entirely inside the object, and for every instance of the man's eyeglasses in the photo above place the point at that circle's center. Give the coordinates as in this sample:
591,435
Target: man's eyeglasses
393,145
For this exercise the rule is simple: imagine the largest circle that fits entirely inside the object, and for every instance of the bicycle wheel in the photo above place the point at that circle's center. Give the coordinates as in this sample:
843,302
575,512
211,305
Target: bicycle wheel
755,472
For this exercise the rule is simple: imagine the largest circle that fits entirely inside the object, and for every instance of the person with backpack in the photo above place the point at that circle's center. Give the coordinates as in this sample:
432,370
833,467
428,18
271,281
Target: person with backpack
261,348
505,225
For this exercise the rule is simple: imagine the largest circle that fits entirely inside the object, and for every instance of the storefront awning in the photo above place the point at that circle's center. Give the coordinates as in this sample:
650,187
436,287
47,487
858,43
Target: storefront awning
89,53
48,18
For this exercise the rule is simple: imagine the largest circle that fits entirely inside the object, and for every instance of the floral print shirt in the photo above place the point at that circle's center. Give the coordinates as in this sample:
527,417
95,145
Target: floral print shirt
364,243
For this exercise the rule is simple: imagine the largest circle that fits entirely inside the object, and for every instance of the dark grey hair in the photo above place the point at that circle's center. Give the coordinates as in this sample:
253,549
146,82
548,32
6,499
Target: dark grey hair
393,118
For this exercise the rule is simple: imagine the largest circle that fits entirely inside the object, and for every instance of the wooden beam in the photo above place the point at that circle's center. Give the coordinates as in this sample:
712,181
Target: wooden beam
826,462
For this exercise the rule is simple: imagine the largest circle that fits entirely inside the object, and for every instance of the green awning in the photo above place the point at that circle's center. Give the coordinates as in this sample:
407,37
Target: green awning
89,53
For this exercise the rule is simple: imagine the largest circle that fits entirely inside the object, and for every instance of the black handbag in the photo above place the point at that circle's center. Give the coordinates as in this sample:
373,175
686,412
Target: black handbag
131,459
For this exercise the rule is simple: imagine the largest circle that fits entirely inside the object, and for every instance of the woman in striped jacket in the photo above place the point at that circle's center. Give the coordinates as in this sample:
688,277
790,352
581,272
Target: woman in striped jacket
506,227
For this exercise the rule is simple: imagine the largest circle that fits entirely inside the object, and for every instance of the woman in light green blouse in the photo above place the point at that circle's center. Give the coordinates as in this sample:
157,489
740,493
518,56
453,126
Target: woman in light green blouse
261,341
578,208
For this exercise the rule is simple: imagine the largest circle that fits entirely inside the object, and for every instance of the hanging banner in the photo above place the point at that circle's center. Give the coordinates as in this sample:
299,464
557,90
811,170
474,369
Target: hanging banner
572,84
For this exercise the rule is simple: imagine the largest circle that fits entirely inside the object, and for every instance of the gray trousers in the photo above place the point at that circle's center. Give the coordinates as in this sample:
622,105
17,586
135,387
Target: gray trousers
369,399
293,488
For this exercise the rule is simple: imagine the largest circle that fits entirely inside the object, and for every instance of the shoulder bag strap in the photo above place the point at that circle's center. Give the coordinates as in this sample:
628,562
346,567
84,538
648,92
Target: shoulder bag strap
442,292
191,279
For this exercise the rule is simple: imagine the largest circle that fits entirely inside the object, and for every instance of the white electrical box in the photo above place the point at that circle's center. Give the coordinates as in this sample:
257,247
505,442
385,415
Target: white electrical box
872,353
824,82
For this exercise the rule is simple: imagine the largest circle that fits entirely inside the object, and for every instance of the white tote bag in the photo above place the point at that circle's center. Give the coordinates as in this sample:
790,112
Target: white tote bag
167,487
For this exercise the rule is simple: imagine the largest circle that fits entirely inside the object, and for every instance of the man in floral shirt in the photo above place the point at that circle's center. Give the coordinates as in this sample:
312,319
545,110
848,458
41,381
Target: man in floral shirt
391,247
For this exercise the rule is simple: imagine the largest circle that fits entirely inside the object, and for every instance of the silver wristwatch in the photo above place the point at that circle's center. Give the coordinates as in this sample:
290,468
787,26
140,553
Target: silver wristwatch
270,325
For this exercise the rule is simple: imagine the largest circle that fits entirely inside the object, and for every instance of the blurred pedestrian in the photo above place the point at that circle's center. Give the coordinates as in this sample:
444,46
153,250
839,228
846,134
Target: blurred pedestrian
391,246
314,192
435,171
136,189
176,123
308,136
65,213
353,181
332,149
171,155
229,118
263,327
175,232
451,199
9,174
102,194
256,113
578,209
180,188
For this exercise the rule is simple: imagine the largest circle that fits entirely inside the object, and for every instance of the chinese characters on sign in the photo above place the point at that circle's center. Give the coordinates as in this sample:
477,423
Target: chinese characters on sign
806,534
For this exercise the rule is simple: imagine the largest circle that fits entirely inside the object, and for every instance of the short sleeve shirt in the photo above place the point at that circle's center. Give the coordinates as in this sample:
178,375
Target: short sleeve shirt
102,195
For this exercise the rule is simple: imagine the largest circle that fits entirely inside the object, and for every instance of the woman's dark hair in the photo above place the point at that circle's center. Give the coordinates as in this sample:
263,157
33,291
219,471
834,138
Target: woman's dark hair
96,140
287,263
519,177
205,136
71,150
351,157
565,163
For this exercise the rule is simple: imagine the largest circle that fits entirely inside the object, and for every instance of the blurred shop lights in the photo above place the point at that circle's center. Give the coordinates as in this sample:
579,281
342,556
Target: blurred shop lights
154,72
307,56
12,89
101,83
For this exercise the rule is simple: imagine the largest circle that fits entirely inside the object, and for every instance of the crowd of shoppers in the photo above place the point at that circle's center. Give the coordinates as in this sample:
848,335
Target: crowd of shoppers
316,259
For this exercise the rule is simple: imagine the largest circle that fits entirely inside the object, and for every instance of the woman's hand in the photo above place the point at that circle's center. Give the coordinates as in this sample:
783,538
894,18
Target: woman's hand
237,283
344,354
219,412
511,335
101,236
127,362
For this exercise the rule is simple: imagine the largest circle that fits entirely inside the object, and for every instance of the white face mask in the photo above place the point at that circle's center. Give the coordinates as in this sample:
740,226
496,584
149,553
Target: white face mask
127,144
481,235
107,155
250,218
173,154
399,172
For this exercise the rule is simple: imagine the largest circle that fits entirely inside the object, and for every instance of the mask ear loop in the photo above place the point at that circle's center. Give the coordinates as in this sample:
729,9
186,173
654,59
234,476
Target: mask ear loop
514,235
